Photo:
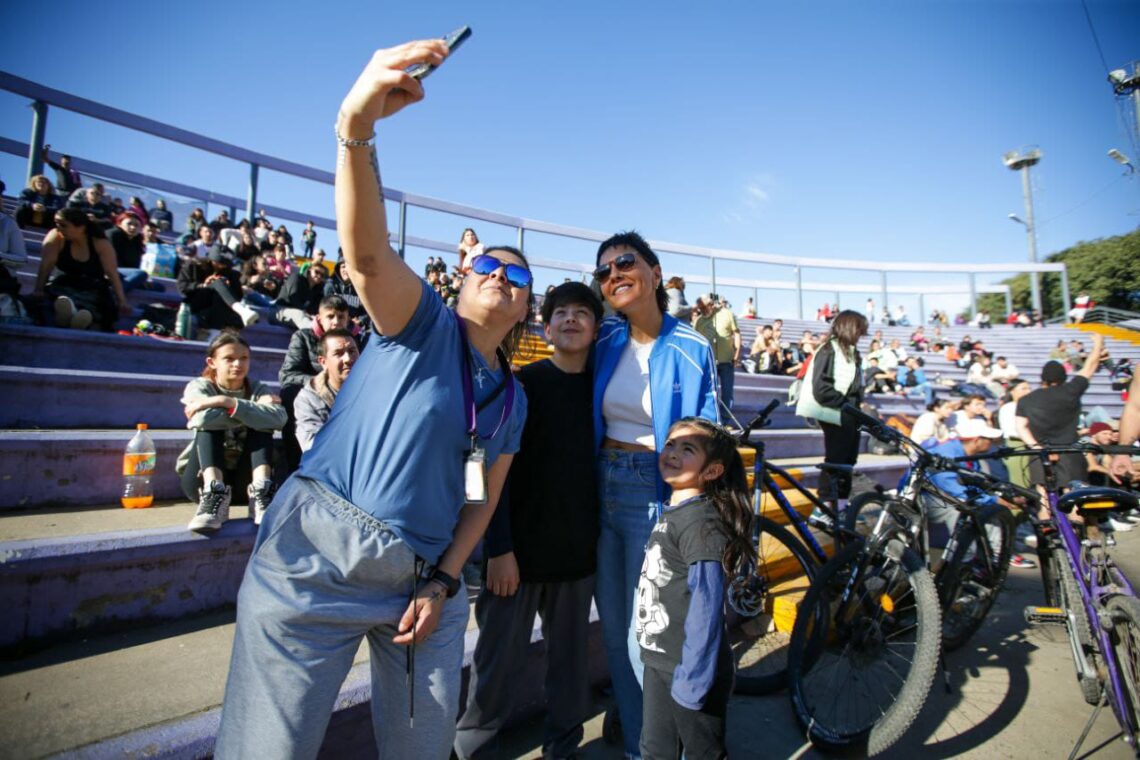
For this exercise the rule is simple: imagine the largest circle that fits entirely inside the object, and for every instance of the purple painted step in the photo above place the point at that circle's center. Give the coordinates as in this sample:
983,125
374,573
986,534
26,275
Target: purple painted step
54,467
26,346
74,398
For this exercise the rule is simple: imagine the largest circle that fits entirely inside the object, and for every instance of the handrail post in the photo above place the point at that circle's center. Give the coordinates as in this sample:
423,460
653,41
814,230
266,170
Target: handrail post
521,235
883,287
973,296
1065,301
921,310
1008,302
402,230
36,148
251,194
712,267
799,292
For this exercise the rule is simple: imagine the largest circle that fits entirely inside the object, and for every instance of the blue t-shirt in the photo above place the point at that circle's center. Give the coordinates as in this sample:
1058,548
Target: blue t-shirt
395,441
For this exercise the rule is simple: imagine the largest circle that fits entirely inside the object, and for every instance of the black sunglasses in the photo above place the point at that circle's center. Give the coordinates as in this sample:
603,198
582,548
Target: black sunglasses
484,264
622,263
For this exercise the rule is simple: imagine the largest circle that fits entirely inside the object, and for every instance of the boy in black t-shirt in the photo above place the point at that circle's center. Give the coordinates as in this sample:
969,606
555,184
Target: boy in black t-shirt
542,543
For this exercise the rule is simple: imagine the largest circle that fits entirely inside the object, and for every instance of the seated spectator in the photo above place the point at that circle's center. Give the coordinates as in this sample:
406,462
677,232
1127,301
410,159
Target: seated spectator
302,363
247,246
195,222
469,247
117,208
38,204
678,306
912,377
888,359
898,349
127,240
901,318
1059,352
300,296
280,263
221,222
878,380
137,208
91,202
1081,306
66,178
918,340
789,363
1076,354
1004,371
233,419
985,322
205,241
981,373
212,289
930,427
755,362
161,216
258,284
150,234
807,345
973,407
749,311
1101,434
337,353
316,259
81,264
340,285
13,253
261,230
283,236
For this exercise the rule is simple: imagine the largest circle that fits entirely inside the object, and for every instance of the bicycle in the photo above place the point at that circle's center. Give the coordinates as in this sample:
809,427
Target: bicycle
1087,593
785,564
862,666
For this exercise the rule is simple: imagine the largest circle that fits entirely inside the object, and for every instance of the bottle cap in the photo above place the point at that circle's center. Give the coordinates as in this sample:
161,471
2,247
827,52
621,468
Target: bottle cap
140,426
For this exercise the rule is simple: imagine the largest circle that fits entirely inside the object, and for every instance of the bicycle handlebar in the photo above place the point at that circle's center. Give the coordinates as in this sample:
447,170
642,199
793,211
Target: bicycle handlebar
1072,448
759,421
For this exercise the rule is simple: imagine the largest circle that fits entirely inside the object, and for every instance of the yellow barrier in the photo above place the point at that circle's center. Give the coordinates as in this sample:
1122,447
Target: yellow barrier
1108,331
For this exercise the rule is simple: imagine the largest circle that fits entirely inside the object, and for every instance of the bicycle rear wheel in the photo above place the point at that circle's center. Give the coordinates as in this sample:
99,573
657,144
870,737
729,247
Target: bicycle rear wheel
1125,613
879,648
968,585
771,598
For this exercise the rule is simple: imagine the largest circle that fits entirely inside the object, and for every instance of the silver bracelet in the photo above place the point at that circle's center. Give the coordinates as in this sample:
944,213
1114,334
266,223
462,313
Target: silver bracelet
347,142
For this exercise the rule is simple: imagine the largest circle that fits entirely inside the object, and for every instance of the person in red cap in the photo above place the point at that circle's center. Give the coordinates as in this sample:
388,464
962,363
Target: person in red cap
126,239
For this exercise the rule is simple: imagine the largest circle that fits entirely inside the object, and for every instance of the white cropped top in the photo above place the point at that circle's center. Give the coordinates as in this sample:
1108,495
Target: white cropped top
626,406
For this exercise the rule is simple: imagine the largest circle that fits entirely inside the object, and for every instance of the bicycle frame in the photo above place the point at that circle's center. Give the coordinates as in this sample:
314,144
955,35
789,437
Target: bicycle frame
762,480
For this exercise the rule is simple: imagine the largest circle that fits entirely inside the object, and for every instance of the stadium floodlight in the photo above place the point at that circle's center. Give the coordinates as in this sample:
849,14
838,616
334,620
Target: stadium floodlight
1121,159
1018,219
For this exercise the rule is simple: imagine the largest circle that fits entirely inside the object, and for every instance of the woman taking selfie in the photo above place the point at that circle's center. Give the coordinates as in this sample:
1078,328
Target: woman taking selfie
369,537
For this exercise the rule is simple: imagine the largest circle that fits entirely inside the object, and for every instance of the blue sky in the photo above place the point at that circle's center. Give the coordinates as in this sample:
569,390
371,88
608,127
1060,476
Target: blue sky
869,130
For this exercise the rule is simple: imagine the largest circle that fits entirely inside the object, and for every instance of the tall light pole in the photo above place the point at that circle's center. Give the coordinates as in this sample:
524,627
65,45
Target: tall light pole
1021,161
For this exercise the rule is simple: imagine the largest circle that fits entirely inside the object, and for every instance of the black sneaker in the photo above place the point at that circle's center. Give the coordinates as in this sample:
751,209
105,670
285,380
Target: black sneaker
259,499
213,508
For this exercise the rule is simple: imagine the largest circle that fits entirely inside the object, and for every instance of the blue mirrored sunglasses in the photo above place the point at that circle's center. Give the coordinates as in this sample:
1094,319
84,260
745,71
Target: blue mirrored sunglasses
517,276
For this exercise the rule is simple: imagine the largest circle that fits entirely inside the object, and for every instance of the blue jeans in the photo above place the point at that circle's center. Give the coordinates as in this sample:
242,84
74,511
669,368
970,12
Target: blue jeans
726,375
132,279
324,575
926,389
257,298
627,485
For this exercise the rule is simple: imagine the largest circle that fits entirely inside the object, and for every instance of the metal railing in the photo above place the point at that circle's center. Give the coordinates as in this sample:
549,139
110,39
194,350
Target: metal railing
43,97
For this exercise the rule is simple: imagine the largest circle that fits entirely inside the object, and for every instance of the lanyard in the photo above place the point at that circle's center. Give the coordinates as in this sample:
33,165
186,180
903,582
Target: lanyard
469,389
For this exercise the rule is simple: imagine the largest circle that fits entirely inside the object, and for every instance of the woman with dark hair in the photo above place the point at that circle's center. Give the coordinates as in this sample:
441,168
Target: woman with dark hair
127,240
196,220
233,420
87,273
650,370
369,537
836,380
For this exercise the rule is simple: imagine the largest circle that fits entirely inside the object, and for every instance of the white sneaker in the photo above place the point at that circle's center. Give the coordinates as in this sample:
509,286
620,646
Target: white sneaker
213,508
64,311
248,315
1120,526
82,320
260,496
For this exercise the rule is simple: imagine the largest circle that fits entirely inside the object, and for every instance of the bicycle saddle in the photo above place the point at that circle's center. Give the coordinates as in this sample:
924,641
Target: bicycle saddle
1095,499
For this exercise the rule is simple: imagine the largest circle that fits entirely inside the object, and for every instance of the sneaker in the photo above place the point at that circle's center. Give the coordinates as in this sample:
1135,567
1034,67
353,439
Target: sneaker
260,495
1022,562
246,312
82,320
820,519
213,508
1118,525
64,311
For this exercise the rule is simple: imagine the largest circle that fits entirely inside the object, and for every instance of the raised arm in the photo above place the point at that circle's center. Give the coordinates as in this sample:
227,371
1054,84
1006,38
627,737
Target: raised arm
1092,361
388,289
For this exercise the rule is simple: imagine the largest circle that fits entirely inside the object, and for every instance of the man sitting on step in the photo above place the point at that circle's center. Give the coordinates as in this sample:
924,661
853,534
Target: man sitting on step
338,352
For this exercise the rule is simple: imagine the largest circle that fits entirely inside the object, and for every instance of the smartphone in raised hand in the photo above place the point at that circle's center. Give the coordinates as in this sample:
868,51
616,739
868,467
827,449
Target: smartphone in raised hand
421,70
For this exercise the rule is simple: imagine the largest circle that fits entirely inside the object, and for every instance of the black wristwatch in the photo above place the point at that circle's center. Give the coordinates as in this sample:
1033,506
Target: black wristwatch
450,585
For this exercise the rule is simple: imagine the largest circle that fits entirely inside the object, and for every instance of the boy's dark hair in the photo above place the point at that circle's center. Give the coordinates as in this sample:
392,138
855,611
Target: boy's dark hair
635,241
337,332
336,303
974,397
571,293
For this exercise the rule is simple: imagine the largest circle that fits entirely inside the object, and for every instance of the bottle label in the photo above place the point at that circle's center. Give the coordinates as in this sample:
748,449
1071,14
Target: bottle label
138,464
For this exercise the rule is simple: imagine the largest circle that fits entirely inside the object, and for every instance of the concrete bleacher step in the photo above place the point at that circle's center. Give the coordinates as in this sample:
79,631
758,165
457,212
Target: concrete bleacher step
106,687
68,570
30,346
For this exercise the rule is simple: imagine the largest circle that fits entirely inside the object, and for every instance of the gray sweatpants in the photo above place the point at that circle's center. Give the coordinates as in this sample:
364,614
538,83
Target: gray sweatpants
505,624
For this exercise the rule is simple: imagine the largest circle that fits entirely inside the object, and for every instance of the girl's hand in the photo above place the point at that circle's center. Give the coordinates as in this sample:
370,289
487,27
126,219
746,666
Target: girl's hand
384,87
424,611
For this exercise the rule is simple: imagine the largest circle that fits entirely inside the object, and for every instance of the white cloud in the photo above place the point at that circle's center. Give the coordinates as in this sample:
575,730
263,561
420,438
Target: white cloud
752,197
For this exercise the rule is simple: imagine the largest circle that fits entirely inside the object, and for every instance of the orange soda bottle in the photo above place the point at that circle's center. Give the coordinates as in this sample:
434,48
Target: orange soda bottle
138,467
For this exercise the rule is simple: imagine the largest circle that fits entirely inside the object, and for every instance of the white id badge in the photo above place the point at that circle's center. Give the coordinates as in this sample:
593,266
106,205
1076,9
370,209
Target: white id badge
475,476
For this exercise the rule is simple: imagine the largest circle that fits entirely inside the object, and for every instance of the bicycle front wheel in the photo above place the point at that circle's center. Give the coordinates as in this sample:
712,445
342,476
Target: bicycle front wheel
773,593
968,584
877,654
1125,613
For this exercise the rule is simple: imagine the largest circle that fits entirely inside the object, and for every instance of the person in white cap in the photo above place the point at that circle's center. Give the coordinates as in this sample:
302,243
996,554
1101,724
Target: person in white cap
975,436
